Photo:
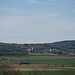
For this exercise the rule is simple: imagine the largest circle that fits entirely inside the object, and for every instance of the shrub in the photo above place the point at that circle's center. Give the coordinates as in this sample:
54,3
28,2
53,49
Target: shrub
8,70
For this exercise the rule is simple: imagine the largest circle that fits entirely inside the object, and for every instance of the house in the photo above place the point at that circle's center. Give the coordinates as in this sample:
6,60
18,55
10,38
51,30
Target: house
29,50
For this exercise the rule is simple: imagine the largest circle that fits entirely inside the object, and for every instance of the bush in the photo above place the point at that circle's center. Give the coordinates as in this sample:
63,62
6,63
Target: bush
8,70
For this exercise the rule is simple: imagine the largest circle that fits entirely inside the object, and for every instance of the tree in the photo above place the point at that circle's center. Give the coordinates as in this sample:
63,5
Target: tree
6,69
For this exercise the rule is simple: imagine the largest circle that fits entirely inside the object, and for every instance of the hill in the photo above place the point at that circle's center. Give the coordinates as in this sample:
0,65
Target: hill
61,46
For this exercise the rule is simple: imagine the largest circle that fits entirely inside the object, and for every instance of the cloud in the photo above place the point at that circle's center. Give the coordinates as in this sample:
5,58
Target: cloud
35,28
31,24
41,26
8,10
33,1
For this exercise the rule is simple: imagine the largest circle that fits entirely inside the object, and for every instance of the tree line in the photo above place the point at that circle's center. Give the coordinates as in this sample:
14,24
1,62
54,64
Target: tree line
37,48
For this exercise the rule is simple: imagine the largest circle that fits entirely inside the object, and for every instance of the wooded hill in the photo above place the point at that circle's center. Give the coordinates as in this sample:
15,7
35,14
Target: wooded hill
65,46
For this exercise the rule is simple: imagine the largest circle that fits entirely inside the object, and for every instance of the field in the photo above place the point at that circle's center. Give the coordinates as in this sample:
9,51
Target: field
59,72
66,72
41,63
39,59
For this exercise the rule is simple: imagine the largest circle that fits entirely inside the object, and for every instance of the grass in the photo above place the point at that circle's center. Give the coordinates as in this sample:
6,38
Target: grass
52,61
62,72
30,55
42,54
37,72
44,58
24,56
41,60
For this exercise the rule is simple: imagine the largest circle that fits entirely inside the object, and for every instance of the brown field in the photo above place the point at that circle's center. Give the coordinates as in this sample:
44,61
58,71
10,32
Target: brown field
26,67
42,66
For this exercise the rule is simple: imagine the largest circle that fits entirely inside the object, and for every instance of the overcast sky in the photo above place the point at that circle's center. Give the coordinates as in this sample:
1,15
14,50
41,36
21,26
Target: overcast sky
37,21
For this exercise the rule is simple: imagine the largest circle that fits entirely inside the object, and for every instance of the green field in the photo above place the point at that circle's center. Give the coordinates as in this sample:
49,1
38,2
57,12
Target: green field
39,58
43,64
63,72
29,55
51,61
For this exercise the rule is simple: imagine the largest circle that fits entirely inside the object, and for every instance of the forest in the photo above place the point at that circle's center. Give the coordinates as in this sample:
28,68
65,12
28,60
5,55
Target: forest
20,49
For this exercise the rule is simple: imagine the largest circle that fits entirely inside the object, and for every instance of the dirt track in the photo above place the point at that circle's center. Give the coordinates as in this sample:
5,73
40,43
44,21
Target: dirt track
28,65
35,69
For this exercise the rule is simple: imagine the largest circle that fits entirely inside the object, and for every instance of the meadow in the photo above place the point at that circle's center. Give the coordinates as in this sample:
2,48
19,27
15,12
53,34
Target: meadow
44,72
41,64
38,58
63,72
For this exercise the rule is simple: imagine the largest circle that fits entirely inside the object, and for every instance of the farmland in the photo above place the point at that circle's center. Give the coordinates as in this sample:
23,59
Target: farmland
66,72
40,64
46,60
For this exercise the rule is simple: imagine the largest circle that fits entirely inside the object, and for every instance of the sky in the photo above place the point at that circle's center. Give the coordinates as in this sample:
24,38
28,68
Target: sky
37,21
